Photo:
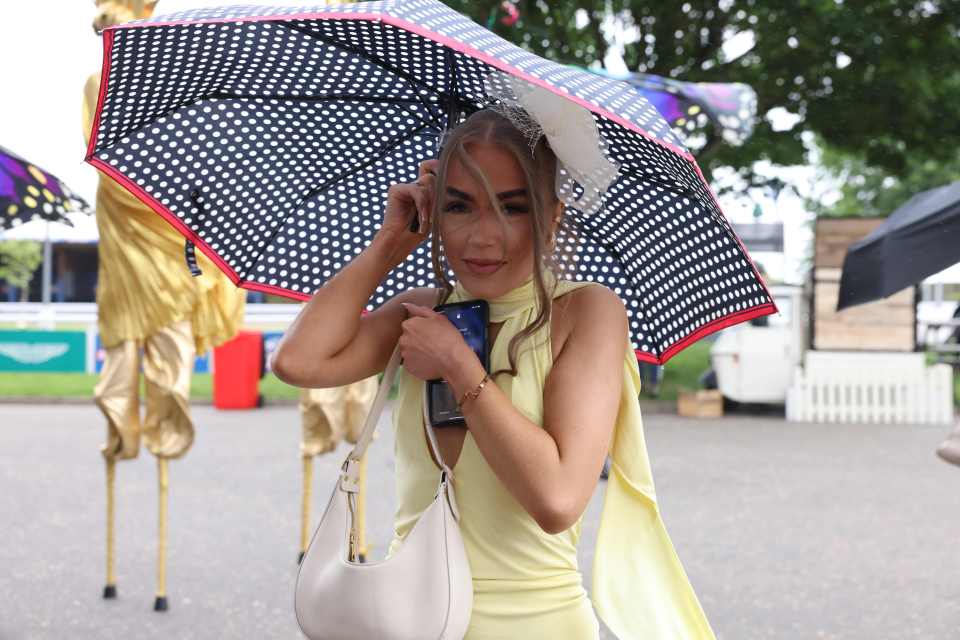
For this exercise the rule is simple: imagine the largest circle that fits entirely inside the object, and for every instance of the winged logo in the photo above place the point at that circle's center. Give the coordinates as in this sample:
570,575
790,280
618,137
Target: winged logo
33,353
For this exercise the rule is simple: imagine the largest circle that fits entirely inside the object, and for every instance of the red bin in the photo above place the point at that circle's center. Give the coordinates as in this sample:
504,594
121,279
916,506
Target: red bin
238,365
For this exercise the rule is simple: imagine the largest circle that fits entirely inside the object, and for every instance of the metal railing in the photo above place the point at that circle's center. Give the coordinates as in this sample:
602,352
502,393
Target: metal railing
38,314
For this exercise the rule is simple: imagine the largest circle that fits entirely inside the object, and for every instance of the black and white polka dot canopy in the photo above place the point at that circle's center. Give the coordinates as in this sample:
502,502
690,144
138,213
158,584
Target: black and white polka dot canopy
269,137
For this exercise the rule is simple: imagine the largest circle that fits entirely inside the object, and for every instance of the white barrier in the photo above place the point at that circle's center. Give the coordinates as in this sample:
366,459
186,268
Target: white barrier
840,386
47,316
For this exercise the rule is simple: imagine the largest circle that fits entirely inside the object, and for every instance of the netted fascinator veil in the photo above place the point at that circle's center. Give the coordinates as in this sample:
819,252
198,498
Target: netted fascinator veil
583,173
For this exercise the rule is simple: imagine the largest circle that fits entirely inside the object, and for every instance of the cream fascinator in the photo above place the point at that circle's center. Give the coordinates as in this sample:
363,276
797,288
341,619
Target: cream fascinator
584,173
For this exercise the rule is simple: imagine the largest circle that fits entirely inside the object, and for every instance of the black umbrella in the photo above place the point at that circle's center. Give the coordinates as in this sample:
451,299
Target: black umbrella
919,239
270,139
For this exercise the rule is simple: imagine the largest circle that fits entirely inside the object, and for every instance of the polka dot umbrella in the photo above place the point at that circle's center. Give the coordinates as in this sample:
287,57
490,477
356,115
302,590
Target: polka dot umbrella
28,193
269,136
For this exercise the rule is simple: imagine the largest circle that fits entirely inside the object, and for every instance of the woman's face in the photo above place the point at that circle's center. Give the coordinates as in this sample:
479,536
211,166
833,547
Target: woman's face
490,255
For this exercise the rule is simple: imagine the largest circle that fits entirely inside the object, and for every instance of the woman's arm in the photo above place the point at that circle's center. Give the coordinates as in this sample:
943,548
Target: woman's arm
552,471
330,344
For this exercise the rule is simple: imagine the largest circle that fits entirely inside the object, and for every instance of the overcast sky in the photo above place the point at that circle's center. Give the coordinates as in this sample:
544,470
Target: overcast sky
47,58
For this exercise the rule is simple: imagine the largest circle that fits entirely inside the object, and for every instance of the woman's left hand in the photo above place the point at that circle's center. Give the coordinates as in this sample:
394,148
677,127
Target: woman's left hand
431,347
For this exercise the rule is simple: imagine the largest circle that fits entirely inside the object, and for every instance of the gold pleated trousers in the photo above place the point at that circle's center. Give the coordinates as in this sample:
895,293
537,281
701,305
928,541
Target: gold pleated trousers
166,358
331,415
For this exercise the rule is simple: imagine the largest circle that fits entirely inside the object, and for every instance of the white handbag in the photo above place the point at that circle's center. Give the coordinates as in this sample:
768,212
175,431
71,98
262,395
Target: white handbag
424,591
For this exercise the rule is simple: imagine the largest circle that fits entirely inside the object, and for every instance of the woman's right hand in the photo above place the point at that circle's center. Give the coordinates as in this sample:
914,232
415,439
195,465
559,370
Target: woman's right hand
407,202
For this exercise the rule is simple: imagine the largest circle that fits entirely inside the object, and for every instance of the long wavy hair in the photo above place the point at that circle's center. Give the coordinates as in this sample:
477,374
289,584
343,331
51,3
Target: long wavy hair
552,249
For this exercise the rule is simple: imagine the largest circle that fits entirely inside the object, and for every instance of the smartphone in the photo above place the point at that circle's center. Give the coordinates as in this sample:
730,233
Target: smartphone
471,319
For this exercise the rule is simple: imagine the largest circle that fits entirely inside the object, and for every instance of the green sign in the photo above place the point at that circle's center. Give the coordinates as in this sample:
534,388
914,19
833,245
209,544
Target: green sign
43,350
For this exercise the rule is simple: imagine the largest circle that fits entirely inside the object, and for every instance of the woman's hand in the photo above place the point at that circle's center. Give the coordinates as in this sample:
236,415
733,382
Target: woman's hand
407,202
432,348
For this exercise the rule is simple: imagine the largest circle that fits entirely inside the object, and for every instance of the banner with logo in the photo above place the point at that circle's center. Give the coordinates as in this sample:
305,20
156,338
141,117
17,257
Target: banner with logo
200,365
51,351
79,351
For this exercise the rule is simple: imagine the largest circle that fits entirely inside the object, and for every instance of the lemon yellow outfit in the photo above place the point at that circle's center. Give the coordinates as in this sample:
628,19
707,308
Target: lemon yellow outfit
147,300
526,582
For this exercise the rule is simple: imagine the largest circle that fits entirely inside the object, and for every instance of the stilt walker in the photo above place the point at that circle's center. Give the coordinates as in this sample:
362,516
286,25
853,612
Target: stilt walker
329,416
152,315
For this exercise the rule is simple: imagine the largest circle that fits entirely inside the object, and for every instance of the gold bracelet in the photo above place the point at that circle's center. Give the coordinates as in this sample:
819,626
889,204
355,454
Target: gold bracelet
472,394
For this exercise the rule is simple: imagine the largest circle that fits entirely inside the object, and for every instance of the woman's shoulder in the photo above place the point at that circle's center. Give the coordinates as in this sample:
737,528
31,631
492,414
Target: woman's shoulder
589,308
584,297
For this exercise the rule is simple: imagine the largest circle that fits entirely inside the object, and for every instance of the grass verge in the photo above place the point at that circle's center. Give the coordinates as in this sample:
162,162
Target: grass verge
80,385
683,371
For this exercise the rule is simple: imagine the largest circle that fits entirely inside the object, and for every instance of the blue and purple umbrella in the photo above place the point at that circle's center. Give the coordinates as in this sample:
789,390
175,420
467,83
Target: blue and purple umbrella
29,193
718,110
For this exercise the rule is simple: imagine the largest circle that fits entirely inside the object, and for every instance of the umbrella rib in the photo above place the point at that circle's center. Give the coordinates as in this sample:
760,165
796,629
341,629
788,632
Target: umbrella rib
453,111
374,60
670,183
400,139
384,151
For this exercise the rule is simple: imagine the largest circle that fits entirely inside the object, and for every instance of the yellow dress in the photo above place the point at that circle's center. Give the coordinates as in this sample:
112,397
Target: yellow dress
526,582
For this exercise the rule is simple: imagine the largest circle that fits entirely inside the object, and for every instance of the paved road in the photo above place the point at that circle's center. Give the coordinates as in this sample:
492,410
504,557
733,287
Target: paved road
787,531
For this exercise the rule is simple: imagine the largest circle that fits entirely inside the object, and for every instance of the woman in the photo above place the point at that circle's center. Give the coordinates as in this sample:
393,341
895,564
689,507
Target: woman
528,461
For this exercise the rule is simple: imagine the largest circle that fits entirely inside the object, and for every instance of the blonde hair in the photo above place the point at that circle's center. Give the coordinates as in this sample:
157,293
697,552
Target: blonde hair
539,171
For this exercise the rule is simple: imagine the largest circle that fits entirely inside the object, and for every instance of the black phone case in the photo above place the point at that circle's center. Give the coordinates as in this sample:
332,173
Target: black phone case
485,359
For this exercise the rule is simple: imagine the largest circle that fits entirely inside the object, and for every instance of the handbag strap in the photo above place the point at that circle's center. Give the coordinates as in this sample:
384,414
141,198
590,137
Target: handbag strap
350,478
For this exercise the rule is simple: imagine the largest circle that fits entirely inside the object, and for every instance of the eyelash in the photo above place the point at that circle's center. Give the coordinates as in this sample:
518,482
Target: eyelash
460,207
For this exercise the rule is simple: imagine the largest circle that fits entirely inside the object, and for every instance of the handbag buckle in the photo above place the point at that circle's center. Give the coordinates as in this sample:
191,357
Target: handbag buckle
350,476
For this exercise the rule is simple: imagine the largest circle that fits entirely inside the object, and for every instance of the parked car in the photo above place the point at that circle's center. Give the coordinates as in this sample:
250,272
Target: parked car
753,362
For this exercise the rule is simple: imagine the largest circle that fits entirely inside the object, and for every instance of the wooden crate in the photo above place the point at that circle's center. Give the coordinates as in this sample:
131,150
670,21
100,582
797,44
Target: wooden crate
884,325
834,235
700,404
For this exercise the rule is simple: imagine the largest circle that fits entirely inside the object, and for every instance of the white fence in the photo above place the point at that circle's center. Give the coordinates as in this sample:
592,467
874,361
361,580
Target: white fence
870,387
37,314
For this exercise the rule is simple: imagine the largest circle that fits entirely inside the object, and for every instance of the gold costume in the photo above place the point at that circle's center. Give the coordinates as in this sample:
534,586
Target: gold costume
147,299
332,415
152,314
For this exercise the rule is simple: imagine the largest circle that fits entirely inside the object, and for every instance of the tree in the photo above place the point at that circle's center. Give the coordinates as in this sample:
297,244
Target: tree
870,191
18,260
871,78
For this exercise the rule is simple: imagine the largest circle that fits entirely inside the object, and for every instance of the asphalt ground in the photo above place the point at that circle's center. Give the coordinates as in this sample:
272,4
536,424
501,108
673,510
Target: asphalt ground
786,530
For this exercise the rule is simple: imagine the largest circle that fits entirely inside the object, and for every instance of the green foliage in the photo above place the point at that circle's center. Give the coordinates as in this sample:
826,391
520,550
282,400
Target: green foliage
18,260
878,80
871,191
